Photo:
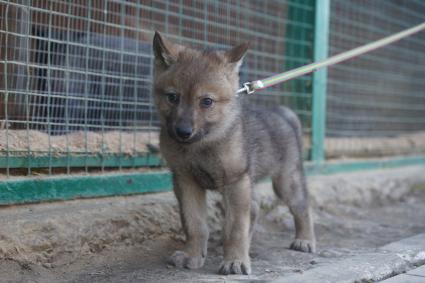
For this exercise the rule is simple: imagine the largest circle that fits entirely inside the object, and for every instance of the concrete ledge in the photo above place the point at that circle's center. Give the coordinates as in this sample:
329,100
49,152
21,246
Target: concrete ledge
416,275
420,271
391,259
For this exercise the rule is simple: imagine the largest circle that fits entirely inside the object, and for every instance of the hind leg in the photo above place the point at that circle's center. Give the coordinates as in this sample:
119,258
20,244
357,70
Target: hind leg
290,186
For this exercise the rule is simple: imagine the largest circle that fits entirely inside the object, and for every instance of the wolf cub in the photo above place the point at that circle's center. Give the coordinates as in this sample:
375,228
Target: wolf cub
213,139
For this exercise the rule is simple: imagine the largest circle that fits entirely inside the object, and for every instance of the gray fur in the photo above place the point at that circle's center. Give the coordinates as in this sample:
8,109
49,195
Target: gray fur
233,145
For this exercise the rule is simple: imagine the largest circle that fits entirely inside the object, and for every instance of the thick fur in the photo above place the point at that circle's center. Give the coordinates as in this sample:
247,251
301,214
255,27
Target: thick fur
233,144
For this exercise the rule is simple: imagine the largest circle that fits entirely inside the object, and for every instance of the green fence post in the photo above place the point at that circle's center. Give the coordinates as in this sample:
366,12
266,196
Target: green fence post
321,41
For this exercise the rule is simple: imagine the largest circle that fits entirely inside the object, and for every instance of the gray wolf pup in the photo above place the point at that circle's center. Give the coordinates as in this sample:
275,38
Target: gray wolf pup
212,139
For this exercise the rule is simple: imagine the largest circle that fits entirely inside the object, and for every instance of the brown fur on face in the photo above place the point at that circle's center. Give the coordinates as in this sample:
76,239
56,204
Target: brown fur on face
226,147
194,75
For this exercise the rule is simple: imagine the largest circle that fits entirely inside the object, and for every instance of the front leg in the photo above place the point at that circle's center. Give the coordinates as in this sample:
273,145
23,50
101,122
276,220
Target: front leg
237,203
193,214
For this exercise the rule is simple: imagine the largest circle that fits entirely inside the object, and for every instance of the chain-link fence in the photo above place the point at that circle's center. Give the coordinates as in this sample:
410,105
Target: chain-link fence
376,103
76,75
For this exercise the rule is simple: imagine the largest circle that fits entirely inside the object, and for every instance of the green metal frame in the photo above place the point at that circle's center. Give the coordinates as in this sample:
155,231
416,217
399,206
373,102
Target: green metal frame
297,55
321,42
108,160
30,190
334,167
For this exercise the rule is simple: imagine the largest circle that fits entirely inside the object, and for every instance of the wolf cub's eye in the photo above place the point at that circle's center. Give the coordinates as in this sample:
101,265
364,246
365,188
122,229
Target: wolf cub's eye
173,97
206,102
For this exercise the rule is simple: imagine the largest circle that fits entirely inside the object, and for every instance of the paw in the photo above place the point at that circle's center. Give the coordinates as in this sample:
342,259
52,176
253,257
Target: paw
235,267
181,259
306,246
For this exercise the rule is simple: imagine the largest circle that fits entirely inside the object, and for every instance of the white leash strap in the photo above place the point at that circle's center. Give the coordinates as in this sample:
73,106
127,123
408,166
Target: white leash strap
251,87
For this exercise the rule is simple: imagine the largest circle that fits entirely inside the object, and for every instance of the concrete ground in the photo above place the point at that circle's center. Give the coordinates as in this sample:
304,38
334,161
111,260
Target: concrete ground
416,275
363,223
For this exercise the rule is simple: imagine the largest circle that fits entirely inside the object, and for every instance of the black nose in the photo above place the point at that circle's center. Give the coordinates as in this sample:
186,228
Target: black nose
183,132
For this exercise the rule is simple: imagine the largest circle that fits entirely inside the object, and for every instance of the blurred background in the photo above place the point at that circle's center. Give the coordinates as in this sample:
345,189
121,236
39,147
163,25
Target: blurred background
75,78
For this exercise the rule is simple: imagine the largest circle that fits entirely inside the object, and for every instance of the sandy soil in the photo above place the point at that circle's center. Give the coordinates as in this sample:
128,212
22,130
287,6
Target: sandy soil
342,231
135,143
374,146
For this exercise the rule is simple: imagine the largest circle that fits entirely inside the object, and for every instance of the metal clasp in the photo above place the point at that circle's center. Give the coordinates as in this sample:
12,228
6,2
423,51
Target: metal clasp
247,88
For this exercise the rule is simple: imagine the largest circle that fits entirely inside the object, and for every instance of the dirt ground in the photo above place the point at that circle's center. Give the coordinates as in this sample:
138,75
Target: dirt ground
342,231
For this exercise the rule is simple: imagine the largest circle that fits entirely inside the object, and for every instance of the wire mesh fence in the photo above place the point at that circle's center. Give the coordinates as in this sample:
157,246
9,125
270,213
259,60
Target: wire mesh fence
76,75
376,103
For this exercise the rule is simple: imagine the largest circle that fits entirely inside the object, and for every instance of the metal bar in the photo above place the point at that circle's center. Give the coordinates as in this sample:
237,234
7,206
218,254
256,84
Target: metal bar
6,93
80,161
43,123
31,190
27,84
67,87
121,89
370,164
49,87
103,87
35,94
86,83
300,102
76,186
76,71
362,132
321,42
135,97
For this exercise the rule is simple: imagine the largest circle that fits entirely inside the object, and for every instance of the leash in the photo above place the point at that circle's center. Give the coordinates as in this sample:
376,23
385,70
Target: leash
251,87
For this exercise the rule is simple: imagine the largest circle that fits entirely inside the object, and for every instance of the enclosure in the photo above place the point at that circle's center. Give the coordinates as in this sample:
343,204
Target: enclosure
79,149
76,110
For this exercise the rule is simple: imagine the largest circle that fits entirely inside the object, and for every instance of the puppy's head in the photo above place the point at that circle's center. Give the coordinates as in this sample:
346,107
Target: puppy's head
195,90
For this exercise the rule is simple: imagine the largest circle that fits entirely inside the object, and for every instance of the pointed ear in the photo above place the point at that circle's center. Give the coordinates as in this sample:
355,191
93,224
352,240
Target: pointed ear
236,54
165,52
